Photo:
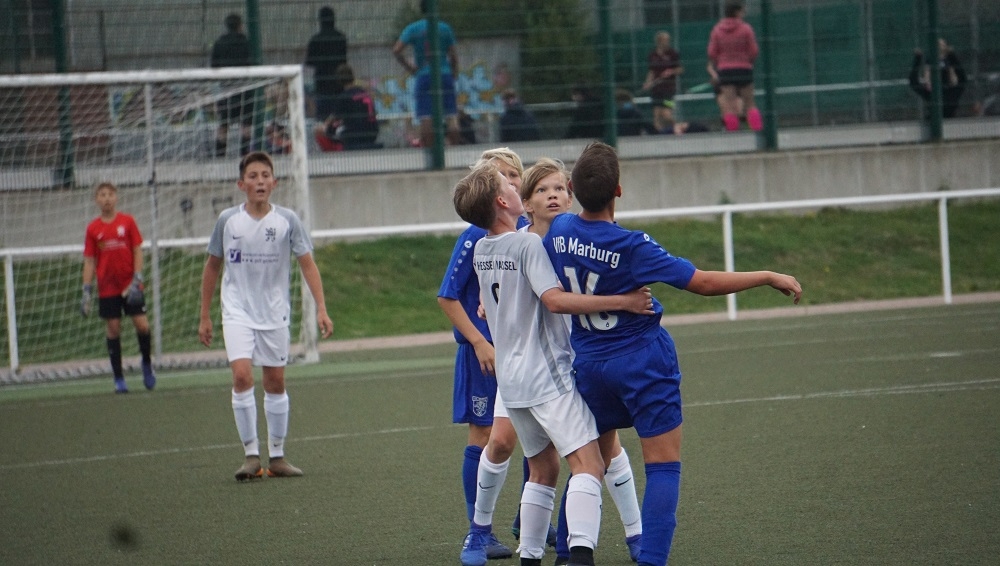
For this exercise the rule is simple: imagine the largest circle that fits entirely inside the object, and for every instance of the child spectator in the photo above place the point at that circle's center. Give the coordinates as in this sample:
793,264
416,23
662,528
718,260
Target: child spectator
516,122
353,123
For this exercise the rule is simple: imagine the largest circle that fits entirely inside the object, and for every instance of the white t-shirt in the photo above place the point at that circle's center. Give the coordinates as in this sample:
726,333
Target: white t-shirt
534,361
257,257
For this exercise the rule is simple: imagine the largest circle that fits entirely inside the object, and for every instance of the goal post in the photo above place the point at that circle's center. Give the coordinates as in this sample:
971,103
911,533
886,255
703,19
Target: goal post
170,140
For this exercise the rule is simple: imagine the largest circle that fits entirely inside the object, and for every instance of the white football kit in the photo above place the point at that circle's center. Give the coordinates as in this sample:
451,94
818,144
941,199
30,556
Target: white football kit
257,257
534,361
256,280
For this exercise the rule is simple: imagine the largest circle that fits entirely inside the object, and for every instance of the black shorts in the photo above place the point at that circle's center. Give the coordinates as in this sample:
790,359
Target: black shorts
236,108
113,307
736,77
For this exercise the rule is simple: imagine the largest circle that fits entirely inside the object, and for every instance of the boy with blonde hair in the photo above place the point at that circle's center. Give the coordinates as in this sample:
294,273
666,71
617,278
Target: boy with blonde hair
533,364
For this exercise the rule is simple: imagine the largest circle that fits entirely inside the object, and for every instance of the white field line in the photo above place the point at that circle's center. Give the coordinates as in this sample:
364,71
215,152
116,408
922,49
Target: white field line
981,384
229,446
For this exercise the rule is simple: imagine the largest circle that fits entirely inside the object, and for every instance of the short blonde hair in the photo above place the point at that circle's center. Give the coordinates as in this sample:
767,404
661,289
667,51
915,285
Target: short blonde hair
504,154
473,196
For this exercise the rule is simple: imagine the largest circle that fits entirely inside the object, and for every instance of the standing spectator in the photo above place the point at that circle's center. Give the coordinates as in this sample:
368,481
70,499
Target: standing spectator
232,49
255,242
327,50
415,36
953,78
516,122
587,120
661,80
112,250
732,50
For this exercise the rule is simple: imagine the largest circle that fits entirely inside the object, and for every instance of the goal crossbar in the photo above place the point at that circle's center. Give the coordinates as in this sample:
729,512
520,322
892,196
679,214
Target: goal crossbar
150,76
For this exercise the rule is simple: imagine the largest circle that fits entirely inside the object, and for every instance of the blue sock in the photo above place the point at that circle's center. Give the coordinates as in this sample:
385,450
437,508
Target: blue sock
659,511
470,474
562,529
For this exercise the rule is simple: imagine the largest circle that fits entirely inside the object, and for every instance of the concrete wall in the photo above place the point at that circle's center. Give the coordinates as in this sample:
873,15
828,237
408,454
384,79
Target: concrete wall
411,198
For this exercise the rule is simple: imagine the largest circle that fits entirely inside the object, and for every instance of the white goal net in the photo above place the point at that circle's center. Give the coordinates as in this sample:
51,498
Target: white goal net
171,142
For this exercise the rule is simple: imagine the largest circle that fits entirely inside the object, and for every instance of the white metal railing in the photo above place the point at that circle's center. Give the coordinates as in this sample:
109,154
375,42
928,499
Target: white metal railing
725,210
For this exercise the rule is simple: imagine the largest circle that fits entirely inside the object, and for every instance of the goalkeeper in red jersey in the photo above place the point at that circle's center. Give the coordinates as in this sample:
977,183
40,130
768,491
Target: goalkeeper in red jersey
113,250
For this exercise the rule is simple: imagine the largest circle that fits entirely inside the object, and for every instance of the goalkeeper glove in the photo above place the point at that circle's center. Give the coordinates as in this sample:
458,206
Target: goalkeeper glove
88,291
133,295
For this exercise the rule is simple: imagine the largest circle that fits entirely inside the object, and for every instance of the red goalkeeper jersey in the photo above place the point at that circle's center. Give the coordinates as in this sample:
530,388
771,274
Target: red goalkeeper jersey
111,245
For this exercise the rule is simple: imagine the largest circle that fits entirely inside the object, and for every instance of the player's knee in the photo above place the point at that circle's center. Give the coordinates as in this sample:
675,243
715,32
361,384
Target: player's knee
501,447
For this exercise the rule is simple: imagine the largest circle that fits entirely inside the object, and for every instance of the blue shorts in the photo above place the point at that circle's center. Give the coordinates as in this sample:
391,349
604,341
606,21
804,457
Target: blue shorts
640,389
424,102
475,393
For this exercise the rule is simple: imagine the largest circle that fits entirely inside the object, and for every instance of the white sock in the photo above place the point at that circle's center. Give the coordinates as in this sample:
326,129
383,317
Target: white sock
583,510
276,412
245,411
537,501
621,486
491,478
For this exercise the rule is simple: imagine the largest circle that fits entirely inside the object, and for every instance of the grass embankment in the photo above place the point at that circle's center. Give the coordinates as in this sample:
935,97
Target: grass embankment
389,286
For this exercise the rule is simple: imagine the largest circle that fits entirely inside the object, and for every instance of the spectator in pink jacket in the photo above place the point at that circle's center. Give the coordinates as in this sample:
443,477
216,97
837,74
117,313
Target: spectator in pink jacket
732,49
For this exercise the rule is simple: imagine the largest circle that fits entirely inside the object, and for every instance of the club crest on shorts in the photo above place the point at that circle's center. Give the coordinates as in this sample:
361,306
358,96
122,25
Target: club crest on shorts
479,405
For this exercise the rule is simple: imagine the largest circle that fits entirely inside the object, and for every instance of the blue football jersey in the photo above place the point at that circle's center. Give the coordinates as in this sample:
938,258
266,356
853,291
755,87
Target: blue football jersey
460,282
601,258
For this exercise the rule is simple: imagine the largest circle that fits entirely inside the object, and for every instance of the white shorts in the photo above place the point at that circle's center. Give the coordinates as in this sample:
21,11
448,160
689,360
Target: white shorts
499,409
565,421
263,347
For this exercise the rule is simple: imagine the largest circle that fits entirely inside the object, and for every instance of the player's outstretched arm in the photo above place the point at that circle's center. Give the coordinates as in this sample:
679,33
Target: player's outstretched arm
310,273
209,277
639,301
712,283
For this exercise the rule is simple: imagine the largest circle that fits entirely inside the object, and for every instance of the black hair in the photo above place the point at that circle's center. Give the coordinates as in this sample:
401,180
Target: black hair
326,15
732,9
233,22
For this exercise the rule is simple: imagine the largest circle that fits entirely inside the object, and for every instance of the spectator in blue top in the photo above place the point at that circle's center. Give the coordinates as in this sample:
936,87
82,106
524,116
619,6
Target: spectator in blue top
415,36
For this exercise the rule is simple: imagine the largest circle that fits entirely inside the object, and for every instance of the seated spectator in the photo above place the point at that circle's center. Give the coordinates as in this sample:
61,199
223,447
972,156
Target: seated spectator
466,128
631,122
276,140
517,123
673,127
587,120
353,124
